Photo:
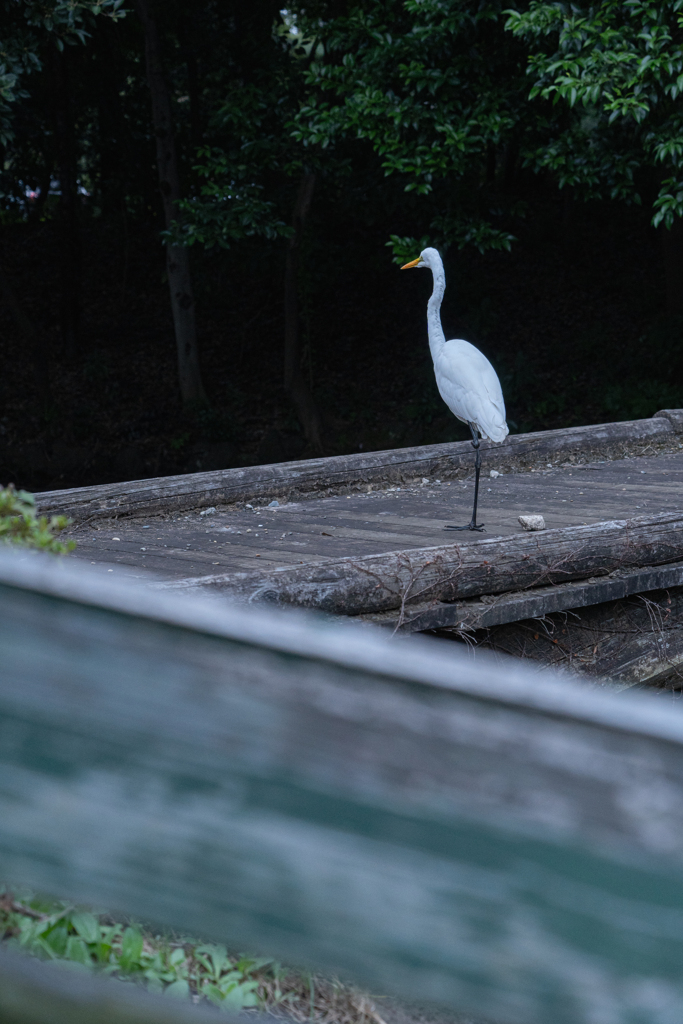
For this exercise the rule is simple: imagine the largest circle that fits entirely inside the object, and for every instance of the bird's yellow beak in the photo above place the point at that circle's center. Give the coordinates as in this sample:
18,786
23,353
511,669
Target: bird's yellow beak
413,263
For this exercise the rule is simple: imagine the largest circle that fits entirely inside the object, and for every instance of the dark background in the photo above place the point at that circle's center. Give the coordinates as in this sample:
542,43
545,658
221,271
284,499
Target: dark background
574,317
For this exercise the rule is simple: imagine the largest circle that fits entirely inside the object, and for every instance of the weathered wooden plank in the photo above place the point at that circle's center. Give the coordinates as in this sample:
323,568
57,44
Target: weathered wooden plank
200,490
458,831
239,539
674,416
528,604
637,641
448,572
367,522
32,992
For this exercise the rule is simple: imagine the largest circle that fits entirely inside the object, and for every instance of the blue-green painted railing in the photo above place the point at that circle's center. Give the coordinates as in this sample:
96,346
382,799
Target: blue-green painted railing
477,833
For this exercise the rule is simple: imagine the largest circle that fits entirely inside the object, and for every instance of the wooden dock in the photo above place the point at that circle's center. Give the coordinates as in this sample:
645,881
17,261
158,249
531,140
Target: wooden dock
364,536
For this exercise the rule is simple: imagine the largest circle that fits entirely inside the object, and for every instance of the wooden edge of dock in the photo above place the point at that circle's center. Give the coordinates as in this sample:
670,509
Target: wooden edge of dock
487,611
339,473
327,641
380,583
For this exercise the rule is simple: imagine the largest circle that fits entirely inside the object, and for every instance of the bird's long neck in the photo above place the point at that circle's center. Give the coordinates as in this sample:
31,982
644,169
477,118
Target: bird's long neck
437,338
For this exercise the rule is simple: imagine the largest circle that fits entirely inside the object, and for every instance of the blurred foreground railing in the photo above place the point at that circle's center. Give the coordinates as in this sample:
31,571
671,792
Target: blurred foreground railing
485,836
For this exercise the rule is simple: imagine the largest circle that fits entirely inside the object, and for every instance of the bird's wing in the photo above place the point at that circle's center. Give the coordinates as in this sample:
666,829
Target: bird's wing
470,388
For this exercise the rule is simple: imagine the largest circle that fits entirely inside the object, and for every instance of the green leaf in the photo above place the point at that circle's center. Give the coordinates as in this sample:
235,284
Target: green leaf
41,948
77,950
131,948
240,997
214,958
178,989
19,524
56,939
247,964
86,925
229,980
213,994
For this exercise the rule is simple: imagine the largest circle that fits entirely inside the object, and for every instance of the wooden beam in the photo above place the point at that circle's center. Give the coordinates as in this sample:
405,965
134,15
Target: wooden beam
530,604
472,833
674,416
451,572
342,472
624,643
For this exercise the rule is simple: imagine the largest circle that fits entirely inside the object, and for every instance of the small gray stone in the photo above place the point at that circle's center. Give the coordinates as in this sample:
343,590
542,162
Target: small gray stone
532,522
208,511
274,504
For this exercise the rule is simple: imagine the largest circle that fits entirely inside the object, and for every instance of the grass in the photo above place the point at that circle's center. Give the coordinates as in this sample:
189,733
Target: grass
178,967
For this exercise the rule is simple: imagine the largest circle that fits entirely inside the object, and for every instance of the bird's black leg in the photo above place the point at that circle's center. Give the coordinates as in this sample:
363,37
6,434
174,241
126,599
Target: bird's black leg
476,441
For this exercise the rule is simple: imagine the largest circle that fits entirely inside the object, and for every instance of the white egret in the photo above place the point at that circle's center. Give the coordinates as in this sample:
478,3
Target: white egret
465,378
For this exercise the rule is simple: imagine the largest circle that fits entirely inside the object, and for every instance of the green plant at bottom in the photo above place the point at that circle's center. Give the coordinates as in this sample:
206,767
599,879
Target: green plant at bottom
178,969
19,524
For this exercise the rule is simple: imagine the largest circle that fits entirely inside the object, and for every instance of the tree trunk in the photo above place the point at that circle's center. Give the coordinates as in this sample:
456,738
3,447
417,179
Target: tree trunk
188,49
35,341
70,261
177,257
294,380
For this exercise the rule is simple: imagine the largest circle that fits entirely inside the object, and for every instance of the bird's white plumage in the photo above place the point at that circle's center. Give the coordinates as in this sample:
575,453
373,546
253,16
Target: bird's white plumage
465,378
470,388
